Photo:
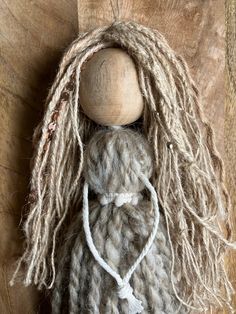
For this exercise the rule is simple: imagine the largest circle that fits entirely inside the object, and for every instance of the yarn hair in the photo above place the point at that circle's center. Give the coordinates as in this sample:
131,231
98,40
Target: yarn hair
188,173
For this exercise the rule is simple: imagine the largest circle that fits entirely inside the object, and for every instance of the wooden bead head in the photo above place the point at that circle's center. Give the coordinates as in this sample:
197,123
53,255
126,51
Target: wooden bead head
109,88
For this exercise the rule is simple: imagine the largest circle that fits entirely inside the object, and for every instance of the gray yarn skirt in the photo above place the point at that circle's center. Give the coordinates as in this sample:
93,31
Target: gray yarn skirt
119,234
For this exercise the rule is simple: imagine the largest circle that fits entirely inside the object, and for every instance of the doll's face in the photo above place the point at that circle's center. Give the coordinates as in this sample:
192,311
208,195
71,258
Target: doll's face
109,88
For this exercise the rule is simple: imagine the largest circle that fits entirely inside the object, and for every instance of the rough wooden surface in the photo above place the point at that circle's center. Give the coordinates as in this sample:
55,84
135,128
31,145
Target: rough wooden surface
33,35
230,122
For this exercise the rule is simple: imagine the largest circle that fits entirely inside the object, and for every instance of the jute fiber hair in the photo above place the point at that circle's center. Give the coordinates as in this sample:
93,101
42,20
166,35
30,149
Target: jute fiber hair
187,174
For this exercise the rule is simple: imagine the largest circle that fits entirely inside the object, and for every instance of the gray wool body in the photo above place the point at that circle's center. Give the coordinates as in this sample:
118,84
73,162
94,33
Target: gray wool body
114,157
119,234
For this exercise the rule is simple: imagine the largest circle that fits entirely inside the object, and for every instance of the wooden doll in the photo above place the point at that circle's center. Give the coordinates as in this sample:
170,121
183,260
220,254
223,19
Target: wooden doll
127,191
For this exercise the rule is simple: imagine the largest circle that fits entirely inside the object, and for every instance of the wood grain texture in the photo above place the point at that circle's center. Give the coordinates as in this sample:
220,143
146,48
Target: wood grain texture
230,123
33,35
109,88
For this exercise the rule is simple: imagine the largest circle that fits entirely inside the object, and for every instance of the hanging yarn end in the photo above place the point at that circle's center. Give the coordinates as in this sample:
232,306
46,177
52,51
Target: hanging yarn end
134,305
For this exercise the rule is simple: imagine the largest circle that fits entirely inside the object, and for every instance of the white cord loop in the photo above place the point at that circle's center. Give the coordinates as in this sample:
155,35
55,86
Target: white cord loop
124,289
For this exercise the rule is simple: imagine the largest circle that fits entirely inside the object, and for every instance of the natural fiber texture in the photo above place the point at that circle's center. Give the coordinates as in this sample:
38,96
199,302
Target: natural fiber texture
119,234
187,171
114,160
128,154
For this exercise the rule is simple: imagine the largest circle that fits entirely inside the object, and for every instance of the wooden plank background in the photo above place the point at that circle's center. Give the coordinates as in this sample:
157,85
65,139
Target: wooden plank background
230,124
33,35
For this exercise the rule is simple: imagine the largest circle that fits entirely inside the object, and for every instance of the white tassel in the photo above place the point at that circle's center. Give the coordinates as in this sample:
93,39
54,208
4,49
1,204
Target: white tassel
134,305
